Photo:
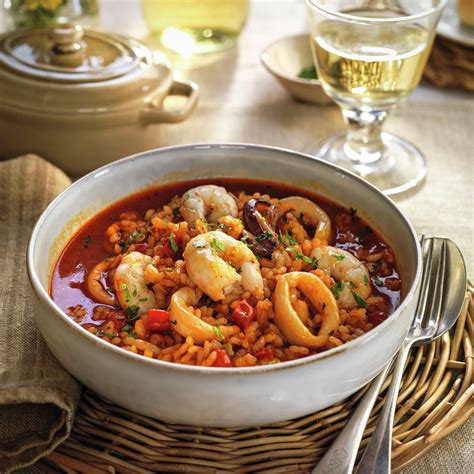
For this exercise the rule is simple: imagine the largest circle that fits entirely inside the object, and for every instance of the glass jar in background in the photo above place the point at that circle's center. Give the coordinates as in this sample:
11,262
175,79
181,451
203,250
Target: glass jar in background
190,27
42,13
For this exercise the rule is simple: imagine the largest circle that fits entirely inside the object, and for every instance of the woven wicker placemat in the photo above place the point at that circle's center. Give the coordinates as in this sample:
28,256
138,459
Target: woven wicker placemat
451,65
436,397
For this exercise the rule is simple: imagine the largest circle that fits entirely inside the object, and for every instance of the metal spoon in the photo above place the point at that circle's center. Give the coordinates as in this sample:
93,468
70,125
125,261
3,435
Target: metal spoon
442,293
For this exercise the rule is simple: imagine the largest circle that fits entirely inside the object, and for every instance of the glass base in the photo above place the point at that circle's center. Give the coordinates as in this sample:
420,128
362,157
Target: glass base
400,168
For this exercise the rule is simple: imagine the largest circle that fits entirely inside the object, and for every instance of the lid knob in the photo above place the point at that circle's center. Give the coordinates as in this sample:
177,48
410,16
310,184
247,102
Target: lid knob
67,47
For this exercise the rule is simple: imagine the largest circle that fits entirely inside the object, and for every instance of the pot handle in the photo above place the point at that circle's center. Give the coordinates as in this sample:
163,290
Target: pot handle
157,114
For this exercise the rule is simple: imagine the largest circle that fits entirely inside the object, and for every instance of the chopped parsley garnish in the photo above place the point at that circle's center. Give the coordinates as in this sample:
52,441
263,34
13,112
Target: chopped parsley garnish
87,240
315,263
134,292
132,313
127,328
168,270
263,236
126,292
176,212
378,281
142,300
173,243
103,333
299,255
352,284
359,300
339,257
366,279
308,73
217,244
132,334
136,235
337,288
287,239
217,332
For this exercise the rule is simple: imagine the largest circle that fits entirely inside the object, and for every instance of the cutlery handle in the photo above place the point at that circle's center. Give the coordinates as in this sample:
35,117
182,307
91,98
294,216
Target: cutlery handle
377,456
341,456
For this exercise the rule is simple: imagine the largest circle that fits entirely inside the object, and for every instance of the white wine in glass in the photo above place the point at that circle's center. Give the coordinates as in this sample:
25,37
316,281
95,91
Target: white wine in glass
369,59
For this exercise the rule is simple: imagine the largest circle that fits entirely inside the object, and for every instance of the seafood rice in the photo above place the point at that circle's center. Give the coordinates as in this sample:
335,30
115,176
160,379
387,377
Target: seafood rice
218,275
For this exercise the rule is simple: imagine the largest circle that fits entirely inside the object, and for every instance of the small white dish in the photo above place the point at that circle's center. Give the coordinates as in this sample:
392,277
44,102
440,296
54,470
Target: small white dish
450,26
285,59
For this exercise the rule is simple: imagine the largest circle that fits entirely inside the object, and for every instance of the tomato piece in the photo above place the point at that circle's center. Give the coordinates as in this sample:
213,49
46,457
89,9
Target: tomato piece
222,359
158,320
265,353
171,248
243,314
141,247
119,322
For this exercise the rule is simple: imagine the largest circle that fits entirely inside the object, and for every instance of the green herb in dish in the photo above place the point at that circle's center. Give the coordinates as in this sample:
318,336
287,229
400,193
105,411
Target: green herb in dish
308,73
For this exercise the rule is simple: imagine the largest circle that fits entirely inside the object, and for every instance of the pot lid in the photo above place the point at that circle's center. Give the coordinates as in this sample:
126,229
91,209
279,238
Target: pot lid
67,53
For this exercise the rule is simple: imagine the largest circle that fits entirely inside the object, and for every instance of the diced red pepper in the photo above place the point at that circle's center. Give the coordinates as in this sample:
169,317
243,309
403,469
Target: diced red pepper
158,320
243,314
222,359
141,247
265,353
118,321
168,249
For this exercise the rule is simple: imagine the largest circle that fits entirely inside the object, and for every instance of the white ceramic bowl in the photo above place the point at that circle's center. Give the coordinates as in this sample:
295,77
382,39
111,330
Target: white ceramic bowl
213,396
285,59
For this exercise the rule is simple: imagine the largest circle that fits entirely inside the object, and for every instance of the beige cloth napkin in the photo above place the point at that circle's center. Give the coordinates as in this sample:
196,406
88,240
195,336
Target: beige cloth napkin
38,397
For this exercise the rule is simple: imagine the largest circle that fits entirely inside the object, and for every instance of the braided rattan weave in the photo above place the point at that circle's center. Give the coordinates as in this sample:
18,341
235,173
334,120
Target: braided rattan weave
451,65
436,398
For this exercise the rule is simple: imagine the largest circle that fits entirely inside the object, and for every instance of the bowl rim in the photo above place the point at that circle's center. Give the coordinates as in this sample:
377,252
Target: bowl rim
265,54
44,296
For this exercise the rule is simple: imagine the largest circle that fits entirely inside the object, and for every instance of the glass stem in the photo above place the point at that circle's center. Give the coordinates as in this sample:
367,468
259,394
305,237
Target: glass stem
364,143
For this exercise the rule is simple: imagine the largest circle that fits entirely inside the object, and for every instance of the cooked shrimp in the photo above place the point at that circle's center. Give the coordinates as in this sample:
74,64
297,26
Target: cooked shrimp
129,281
207,202
287,315
95,286
312,213
351,274
213,262
187,324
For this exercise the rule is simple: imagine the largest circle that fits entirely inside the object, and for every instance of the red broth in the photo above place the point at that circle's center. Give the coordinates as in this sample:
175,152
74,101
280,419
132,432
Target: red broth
89,246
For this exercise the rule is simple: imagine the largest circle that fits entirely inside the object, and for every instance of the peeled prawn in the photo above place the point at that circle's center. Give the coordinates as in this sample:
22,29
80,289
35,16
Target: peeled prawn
290,318
312,213
129,281
219,265
187,324
95,286
207,202
351,273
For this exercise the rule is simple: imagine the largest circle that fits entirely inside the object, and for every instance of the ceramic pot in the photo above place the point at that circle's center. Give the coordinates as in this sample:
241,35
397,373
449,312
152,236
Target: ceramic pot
210,396
82,98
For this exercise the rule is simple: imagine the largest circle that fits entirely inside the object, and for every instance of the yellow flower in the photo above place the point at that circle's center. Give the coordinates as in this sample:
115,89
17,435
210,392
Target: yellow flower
50,5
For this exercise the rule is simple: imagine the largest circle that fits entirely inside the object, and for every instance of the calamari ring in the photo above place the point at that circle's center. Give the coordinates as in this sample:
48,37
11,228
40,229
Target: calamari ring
287,319
187,324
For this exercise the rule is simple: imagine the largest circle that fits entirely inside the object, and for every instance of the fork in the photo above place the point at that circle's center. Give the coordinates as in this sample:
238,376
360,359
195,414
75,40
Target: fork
341,455
377,456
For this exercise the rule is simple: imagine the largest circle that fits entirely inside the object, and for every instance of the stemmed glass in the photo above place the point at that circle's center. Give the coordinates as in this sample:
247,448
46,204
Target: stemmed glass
370,55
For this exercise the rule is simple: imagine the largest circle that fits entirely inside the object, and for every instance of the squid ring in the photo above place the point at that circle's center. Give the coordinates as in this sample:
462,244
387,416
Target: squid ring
288,320
187,324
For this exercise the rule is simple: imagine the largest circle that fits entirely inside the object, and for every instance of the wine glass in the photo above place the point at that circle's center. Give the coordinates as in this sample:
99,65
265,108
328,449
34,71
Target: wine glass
370,55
